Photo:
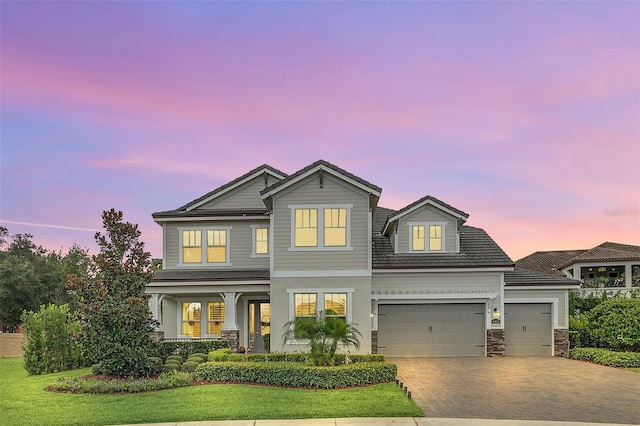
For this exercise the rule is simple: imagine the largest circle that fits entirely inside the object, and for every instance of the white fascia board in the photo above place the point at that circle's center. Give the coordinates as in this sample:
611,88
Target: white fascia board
325,169
236,185
179,284
422,204
321,273
210,218
429,270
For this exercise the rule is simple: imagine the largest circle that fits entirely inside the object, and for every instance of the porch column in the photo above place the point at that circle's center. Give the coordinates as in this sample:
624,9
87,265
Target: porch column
230,330
628,275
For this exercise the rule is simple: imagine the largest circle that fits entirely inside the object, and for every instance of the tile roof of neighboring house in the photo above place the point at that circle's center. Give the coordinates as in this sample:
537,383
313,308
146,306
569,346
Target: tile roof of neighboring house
327,165
477,249
211,275
547,261
230,184
553,261
525,277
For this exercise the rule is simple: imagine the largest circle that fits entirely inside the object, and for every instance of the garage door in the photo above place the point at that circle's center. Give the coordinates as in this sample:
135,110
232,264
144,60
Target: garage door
431,330
528,329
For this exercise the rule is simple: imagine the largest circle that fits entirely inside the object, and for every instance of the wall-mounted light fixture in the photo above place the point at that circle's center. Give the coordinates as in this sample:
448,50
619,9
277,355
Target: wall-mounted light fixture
496,313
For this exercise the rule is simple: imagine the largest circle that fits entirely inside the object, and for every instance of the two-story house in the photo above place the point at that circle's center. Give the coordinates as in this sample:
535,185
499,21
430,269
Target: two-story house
246,258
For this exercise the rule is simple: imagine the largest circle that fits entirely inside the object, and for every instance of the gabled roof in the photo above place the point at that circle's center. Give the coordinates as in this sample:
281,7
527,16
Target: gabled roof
477,250
606,252
523,277
325,166
168,275
547,261
424,201
189,209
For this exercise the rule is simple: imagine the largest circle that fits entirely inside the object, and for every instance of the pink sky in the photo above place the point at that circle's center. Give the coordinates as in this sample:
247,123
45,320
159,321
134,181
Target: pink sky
525,115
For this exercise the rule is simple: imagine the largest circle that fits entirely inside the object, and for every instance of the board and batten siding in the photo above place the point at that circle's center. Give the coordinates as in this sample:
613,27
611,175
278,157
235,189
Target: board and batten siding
436,280
542,296
333,192
427,214
240,244
245,197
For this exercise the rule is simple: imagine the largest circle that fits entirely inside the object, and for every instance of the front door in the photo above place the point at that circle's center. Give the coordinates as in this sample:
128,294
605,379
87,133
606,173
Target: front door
259,326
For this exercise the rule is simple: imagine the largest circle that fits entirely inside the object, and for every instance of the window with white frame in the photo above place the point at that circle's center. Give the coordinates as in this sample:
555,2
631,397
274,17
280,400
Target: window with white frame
215,318
216,241
309,303
191,319
320,227
426,237
260,238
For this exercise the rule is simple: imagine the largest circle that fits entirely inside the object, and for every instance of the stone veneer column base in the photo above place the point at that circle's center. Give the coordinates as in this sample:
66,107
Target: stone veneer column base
374,341
561,342
157,335
495,342
233,336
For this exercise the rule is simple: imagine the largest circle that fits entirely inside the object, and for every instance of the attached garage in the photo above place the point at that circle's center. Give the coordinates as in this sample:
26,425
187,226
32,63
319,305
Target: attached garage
528,329
431,330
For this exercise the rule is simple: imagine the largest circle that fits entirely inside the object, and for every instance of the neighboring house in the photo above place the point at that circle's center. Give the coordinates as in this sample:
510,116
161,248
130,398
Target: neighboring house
244,259
607,266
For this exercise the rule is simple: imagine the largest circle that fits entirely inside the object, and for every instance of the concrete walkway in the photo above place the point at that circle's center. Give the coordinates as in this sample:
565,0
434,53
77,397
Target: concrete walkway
521,388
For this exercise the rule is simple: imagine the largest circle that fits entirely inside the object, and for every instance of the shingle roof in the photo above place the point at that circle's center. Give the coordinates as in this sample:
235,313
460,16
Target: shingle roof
477,249
327,165
525,277
215,275
230,184
211,213
547,261
422,200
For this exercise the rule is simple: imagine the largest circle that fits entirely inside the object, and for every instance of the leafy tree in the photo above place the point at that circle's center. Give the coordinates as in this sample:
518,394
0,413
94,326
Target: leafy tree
115,320
616,323
324,332
31,276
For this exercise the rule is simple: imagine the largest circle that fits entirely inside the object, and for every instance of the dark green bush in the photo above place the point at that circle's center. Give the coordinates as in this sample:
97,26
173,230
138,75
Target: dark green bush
157,364
184,348
616,324
170,367
177,358
607,357
224,355
199,355
189,366
296,374
169,380
96,369
196,359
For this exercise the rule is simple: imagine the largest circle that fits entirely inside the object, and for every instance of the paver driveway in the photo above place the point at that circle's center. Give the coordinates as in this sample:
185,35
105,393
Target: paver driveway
522,388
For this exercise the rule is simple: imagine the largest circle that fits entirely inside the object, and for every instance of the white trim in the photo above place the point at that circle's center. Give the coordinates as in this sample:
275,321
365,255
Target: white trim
369,240
204,246
425,298
427,236
554,301
544,287
395,240
400,270
258,173
322,273
207,218
164,246
418,206
203,315
324,168
272,227
253,241
320,227
205,283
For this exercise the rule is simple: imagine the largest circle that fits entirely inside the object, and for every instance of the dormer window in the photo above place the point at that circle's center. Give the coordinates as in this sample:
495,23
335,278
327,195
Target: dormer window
426,237
321,227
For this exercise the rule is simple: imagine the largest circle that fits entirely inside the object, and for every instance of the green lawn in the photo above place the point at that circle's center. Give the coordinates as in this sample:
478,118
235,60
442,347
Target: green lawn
23,401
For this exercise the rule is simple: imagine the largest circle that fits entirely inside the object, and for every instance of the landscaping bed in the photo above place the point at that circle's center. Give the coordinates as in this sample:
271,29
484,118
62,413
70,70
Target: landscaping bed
607,357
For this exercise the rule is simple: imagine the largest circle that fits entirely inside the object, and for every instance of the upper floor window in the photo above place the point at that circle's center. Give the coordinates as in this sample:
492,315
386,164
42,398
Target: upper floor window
321,227
426,237
192,246
260,240
216,241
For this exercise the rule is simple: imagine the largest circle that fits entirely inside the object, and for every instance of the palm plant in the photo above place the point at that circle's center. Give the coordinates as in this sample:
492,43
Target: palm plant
324,333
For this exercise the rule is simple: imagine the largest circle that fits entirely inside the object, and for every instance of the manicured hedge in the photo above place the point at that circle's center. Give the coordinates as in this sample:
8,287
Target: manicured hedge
607,357
98,386
185,348
225,355
296,374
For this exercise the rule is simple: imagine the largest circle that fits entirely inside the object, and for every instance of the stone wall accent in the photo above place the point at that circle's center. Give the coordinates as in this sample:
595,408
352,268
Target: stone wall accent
233,336
10,344
374,341
561,342
157,336
495,342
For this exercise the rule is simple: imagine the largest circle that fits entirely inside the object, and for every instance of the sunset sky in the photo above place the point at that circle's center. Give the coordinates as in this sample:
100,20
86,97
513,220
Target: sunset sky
526,115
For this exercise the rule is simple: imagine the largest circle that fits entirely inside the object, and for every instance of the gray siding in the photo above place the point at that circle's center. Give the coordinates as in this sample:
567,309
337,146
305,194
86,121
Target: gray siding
532,295
245,197
436,280
333,192
427,214
240,244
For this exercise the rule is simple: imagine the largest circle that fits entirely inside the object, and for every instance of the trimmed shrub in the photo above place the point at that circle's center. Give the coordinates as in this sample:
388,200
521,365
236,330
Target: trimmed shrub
189,366
164,381
607,357
177,358
199,355
224,355
157,364
170,367
96,369
616,323
196,359
184,348
296,374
